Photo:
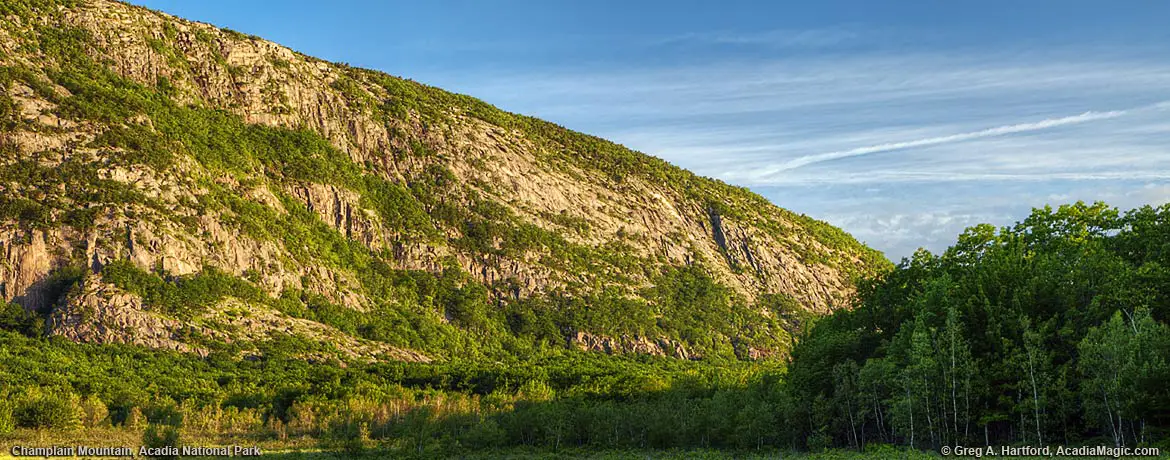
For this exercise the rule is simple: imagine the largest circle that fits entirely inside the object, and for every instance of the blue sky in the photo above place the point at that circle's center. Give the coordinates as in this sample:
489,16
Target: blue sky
901,122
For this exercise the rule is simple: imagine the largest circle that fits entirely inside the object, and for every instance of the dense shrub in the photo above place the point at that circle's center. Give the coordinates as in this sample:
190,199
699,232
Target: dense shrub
16,318
161,437
49,410
182,296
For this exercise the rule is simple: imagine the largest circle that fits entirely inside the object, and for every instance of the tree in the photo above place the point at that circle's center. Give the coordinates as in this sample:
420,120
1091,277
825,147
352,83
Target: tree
960,371
1122,361
15,318
923,375
1034,364
846,392
877,380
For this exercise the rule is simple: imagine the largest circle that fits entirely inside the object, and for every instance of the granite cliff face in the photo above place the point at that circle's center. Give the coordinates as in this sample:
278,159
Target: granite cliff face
149,161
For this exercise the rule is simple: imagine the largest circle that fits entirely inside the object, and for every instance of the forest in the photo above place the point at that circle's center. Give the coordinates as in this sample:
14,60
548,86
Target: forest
1051,331
1048,332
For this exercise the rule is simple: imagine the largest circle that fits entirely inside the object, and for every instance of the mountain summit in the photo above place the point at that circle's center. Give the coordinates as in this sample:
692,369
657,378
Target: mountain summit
175,185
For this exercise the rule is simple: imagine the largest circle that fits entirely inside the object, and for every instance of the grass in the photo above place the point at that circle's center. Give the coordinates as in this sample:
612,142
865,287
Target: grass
118,436
311,449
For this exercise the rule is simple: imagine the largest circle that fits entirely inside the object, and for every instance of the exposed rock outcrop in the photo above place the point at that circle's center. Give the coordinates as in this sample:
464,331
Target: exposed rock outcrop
584,225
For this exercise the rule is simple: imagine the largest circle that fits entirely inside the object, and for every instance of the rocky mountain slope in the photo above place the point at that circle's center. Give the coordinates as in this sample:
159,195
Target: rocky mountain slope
171,184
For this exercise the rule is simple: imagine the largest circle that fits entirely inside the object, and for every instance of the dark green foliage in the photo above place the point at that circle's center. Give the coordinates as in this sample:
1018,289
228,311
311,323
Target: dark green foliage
62,281
162,439
1051,331
15,318
575,400
504,360
691,303
29,213
441,314
46,410
1031,333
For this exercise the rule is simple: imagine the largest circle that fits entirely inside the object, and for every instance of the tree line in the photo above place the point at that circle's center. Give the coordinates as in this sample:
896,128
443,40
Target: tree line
1051,331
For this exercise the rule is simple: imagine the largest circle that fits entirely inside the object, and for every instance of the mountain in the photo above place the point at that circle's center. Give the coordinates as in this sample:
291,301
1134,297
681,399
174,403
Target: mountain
171,184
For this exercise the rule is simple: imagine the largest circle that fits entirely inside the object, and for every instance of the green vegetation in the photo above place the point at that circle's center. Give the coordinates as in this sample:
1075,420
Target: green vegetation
685,303
564,149
31,8
413,408
15,318
50,190
1050,331
221,162
182,296
441,314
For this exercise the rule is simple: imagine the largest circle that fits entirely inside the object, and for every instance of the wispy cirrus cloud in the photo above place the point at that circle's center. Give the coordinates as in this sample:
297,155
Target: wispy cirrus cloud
925,177
929,141
776,38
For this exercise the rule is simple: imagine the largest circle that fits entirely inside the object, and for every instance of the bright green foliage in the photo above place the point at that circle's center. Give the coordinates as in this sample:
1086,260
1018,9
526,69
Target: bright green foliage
137,143
7,420
506,373
1012,335
575,400
690,302
181,296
